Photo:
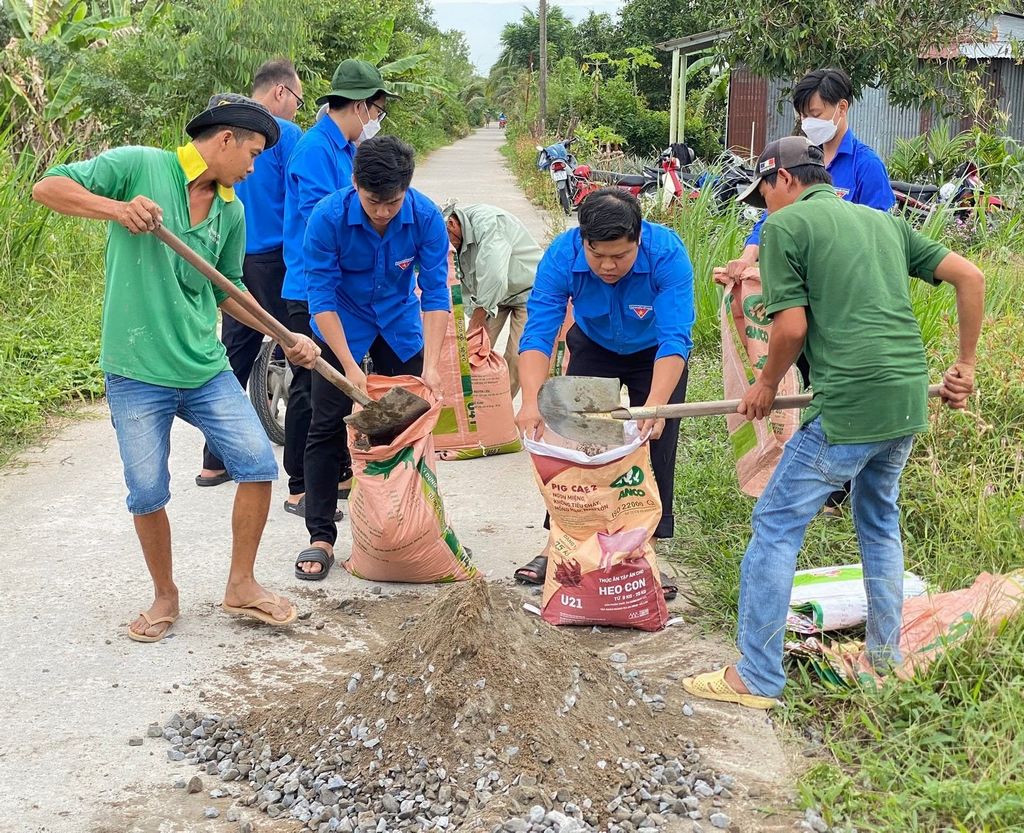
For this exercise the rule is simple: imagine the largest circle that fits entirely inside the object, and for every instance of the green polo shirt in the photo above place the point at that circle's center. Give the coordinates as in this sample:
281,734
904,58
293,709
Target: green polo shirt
498,258
848,265
160,314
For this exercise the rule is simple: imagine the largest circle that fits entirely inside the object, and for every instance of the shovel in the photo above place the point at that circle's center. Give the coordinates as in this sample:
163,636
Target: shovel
588,409
380,420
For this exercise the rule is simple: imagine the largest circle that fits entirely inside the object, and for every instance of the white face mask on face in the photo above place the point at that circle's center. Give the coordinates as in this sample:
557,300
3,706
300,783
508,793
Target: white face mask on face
370,128
820,131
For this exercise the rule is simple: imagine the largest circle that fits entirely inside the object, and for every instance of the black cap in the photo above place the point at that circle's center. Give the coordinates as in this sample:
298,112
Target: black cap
787,152
234,110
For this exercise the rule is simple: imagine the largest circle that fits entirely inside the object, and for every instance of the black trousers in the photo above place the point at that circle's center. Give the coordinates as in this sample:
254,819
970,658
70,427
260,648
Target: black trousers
839,496
636,372
262,275
300,409
327,443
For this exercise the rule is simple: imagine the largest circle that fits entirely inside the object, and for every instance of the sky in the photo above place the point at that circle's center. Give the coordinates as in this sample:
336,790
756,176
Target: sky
483,20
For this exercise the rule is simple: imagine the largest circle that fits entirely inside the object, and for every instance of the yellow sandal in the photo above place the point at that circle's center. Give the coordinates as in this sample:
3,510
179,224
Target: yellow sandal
713,686
141,637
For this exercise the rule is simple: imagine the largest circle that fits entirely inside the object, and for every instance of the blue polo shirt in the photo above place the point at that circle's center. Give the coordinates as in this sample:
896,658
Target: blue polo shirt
370,280
320,164
262,193
858,175
652,306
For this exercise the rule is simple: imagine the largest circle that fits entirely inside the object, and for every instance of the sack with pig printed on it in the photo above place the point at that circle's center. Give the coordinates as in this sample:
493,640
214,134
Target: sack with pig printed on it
476,418
756,446
604,508
400,530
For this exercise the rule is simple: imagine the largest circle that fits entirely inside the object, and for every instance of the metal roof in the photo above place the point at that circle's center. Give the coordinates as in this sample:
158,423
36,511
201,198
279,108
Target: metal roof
695,43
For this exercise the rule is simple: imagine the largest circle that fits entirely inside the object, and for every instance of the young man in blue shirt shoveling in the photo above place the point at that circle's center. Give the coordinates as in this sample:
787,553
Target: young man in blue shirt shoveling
367,248
320,165
631,287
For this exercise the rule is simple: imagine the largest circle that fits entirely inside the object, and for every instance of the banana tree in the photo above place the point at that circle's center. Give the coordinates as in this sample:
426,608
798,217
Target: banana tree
408,74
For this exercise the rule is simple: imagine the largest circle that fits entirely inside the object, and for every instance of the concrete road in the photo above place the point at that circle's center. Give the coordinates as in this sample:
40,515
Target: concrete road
73,688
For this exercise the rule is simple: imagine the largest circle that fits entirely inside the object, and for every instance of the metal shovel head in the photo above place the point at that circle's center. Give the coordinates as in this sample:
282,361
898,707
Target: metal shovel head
578,408
386,418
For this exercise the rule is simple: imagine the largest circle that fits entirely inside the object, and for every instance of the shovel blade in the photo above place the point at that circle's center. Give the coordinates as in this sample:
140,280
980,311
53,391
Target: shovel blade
387,418
577,408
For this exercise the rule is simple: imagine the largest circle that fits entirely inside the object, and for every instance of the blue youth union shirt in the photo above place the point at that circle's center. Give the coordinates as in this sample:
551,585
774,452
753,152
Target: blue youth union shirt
858,175
652,306
320,164
262,193
369,279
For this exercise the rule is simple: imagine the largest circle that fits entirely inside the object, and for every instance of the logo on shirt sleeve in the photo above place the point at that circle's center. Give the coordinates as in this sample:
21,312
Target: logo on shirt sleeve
843,192
404,264
640,310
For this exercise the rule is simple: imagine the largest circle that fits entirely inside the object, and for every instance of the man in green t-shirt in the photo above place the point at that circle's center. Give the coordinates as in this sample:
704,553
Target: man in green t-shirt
159,349
835,284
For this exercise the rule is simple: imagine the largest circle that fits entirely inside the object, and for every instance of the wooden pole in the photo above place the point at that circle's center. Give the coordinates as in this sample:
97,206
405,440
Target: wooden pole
673,103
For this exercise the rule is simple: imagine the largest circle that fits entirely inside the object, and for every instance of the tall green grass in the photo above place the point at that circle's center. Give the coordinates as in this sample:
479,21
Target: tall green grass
51,289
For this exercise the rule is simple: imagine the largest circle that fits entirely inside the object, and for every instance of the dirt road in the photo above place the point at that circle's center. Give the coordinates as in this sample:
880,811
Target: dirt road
74,689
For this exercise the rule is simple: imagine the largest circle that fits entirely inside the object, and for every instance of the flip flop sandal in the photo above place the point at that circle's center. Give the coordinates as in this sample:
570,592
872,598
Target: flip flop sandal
216,480
668,586
141,637
316,555
252,611
299,509
344,493
713,686
534,572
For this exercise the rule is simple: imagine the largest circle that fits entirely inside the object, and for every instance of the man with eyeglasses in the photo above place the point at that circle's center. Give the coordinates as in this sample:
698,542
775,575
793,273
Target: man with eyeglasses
277,87
320,165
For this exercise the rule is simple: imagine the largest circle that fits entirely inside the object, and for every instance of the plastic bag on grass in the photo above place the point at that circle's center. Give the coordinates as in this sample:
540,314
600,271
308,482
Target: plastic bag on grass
604,508
400,530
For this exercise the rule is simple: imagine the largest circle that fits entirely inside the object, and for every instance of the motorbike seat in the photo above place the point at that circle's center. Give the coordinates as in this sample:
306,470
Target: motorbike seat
914,190
613,178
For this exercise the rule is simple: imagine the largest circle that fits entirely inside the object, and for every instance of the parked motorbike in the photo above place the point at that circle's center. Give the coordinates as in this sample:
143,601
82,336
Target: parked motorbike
559,161
962,195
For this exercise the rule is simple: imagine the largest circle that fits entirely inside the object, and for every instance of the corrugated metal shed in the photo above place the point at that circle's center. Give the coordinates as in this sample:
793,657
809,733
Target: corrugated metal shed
1010,95
746,114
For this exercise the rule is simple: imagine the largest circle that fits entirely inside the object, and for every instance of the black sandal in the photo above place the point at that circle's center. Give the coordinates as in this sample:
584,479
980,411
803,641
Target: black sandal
314,555
299,508
534,572
668,586
216,480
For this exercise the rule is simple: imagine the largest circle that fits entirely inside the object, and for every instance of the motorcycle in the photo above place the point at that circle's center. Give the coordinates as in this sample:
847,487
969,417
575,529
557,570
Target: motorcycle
962,195
559,161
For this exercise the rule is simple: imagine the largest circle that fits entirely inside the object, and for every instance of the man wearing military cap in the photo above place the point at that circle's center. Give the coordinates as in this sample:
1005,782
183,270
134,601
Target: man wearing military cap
159,349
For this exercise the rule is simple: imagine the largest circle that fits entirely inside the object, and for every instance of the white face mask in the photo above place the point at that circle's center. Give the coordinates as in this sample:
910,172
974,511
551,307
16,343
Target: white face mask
820,131
370,128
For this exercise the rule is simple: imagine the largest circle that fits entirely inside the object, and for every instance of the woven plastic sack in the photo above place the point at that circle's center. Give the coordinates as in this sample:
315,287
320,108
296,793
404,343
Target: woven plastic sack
476,418
756,446
400,530
604,508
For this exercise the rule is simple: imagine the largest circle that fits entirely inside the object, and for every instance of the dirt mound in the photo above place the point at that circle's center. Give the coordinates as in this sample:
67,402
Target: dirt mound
480,696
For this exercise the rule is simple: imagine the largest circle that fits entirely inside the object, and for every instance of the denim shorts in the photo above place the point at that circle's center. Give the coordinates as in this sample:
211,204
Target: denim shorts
142,415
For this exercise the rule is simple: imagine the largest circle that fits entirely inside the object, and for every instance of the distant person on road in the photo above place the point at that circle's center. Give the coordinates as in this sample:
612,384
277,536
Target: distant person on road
496,260
277,87
320,164
835,284
822,100
631,287
160,352
367,249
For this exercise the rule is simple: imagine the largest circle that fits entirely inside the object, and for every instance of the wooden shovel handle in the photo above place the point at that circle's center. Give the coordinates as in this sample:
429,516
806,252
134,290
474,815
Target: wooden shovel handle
280,333
717,408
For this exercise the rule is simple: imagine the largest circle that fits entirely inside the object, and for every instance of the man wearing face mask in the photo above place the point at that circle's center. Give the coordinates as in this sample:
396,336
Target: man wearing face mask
320,165
822,100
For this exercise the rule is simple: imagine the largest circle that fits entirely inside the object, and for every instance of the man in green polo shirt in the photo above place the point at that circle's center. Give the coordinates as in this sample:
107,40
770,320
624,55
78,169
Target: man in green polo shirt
160,352
835,284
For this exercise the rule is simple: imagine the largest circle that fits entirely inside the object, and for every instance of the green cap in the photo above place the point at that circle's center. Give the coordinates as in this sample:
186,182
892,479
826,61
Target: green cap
356,80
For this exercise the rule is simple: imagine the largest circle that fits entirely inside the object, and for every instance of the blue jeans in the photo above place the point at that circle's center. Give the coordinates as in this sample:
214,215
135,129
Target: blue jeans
811,468
142,415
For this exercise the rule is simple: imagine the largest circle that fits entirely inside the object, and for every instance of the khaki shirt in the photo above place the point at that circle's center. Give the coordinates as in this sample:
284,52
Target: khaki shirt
498,258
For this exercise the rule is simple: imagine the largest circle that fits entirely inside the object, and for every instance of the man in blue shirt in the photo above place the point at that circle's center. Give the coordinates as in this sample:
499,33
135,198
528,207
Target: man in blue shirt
367,248
277,87
822,100
631,287
321,164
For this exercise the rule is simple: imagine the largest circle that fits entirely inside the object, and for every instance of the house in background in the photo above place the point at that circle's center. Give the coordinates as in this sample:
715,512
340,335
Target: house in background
759,109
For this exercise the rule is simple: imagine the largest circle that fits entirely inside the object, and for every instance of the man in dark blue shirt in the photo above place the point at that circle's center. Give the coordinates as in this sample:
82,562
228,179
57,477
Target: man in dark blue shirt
367,248
631,287
321,164
277,87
